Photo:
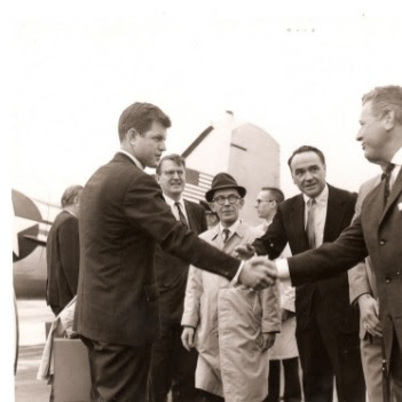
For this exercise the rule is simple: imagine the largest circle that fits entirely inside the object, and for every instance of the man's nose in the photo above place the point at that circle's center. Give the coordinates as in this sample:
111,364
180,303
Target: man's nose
162,146
308,176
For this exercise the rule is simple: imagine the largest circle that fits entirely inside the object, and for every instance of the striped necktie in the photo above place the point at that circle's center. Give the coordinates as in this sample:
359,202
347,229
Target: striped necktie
182,218
225,235
386,176
310,227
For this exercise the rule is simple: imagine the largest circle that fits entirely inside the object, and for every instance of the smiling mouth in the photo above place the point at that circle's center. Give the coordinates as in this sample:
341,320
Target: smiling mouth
308,186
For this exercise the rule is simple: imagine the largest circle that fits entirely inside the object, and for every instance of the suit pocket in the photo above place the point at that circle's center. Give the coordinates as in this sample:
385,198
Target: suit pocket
151,292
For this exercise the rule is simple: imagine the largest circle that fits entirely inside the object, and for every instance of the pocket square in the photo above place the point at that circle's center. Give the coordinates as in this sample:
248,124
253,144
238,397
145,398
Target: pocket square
400,206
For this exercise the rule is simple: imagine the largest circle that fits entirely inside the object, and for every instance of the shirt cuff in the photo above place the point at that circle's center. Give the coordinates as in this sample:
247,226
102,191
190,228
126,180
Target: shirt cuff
235,279
282,267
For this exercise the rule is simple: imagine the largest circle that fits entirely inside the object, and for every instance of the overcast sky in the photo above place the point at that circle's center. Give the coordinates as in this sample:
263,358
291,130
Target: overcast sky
298,73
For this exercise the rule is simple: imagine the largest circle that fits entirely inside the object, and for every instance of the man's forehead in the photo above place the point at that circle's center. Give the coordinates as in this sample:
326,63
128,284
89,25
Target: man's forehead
306,159
168,164
264,193
226,191
156,129
366,109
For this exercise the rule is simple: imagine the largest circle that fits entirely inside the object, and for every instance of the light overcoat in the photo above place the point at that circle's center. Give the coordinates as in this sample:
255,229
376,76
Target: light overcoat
229,322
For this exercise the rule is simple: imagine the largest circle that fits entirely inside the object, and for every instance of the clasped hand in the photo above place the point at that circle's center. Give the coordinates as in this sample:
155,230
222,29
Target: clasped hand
258,273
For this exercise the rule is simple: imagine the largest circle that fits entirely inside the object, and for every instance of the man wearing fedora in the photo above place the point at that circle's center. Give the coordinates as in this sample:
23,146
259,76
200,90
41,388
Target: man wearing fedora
230,325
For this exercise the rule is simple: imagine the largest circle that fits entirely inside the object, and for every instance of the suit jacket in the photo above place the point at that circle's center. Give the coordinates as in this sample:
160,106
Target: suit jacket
122,217
288,227
377,232
62,255
171,272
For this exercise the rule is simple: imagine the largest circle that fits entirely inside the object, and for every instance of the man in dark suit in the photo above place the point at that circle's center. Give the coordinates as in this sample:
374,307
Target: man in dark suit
63,252
327,326
378,230
122,217
172,366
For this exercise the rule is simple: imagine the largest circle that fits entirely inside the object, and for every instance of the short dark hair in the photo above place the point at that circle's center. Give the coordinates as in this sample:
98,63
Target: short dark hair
70,194
384,99
176,158
277,193
140,116
306,148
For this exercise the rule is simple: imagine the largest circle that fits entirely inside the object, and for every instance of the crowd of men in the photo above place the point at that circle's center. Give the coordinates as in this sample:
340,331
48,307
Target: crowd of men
168,303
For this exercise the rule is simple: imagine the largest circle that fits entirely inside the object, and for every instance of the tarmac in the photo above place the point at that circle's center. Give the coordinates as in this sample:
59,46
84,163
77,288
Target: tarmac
32,316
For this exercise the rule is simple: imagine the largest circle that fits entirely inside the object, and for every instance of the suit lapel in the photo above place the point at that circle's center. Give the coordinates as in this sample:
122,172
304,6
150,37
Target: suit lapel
191,215
334,215
396,190
297,220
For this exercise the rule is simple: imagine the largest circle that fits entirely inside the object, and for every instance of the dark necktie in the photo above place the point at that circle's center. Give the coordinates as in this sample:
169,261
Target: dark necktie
181,215
225,233
386,176
310,227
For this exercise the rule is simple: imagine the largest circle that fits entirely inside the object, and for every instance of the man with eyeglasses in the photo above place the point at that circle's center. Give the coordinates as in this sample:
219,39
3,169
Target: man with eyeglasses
232,327
266,204
327,326
172,366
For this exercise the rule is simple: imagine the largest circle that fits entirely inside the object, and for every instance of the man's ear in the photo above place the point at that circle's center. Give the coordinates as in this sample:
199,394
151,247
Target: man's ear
132,134
389,119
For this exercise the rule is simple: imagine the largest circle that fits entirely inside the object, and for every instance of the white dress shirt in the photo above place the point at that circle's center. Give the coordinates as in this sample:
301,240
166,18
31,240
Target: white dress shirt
173,207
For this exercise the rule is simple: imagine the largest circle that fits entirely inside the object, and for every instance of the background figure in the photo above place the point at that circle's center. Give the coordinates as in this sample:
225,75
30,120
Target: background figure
123,215
327,326
378,230
63,253
285,350
172,366
233,326
212,217
363,290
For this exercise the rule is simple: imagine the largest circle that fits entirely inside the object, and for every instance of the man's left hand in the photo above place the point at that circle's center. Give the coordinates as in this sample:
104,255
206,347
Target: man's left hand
269,340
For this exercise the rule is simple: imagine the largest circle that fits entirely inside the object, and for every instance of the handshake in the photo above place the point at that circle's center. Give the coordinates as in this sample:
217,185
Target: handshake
258,272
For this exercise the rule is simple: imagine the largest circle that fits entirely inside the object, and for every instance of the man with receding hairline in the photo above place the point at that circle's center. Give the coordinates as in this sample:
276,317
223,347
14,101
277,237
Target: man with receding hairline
378,230
326,325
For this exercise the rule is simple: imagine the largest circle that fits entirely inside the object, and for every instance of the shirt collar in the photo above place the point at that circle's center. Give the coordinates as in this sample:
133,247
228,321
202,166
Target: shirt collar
321,198
133,158
70,212
232,228
397,158
171,202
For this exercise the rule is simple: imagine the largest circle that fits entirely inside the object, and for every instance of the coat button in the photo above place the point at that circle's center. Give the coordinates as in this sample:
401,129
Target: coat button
388,280
382,242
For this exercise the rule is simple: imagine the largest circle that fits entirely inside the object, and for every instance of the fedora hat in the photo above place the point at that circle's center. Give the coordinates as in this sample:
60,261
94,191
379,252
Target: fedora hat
223,181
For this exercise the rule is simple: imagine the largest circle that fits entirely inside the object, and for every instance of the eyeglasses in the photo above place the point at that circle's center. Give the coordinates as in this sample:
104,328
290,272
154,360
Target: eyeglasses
220,200
171,173
260,201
